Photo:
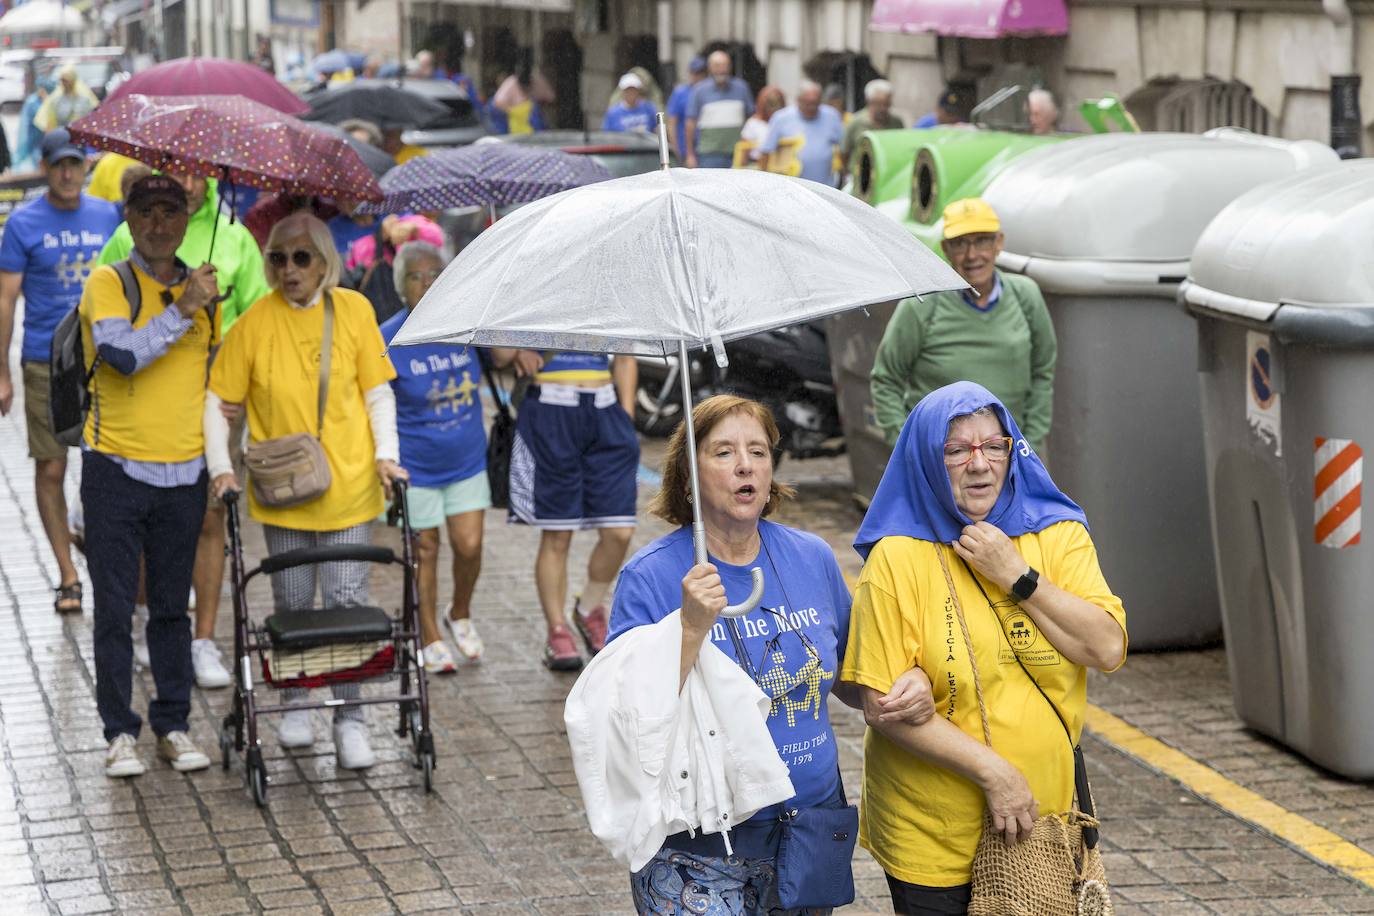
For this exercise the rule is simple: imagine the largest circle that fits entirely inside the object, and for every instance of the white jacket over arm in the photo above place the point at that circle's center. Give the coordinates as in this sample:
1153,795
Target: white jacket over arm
651,761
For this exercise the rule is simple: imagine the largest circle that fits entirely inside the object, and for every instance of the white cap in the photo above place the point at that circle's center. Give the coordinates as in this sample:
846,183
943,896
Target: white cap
630,81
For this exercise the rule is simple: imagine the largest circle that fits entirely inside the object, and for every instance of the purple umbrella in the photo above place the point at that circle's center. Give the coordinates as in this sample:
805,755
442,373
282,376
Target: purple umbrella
212,76
483,175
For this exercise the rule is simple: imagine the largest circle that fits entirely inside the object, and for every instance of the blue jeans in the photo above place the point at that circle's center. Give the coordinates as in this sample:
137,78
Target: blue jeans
126,520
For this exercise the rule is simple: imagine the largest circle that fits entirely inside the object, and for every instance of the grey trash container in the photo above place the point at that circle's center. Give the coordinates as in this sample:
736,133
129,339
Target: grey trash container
1106,225
1282,291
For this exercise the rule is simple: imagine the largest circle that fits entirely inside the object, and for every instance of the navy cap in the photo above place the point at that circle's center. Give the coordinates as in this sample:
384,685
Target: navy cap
58,145
152,188
698,65
950,101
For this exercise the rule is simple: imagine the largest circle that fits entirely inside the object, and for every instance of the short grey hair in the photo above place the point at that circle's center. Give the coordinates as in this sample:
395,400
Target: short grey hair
1041,97
808,86
875,88
374,133
411,251
303,223
987,410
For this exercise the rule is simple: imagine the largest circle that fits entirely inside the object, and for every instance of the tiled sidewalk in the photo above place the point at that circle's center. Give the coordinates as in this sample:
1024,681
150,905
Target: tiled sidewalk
503,833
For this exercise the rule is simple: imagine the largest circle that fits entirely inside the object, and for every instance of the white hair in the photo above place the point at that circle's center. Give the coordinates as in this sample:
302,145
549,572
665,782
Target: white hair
400,266
1041,97
808,86
876,88
304,223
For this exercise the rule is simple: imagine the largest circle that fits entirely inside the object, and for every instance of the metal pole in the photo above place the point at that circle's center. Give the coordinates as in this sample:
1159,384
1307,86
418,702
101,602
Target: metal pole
684,377
663,161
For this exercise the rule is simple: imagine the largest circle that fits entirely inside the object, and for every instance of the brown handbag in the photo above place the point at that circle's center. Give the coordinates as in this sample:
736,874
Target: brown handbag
293,469
1054,872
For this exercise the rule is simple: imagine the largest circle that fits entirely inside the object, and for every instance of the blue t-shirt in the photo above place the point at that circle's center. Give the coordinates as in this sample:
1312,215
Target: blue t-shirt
55,250
564,361
677,108
927,120
346,231
438,409
821,135
796,566
623,118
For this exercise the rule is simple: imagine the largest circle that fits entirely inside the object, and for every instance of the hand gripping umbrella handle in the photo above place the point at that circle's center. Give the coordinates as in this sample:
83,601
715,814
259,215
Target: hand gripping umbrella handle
748,604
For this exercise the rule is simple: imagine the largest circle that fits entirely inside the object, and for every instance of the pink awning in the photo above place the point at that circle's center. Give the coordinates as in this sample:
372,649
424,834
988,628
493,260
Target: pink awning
971,18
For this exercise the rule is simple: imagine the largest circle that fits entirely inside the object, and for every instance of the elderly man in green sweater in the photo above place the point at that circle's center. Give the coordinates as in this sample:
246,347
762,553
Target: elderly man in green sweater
238,263
998,334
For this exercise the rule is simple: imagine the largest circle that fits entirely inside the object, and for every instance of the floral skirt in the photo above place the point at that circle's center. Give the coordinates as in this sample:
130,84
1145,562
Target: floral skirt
678,884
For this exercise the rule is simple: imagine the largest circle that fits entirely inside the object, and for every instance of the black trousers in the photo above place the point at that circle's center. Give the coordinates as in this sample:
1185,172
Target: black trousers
919,900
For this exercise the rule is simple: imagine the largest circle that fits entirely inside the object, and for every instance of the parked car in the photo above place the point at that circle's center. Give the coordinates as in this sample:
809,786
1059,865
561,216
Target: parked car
100,68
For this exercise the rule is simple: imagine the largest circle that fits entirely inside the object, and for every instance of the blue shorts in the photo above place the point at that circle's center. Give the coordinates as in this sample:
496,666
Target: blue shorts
575,460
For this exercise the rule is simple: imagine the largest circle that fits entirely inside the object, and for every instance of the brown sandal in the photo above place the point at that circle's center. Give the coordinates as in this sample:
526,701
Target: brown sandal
66,596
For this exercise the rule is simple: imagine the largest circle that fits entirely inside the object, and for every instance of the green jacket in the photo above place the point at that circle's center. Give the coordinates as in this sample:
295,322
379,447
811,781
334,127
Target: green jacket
237,260
1009,349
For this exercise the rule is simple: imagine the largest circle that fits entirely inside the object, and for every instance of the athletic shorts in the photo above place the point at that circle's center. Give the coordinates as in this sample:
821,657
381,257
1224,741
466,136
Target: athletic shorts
43,446
575,460
429,506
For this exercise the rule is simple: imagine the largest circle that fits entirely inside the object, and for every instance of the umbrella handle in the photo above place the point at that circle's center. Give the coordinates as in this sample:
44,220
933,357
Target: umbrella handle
748,604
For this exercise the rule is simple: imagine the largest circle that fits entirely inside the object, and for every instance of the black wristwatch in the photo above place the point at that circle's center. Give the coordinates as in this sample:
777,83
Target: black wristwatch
1026,585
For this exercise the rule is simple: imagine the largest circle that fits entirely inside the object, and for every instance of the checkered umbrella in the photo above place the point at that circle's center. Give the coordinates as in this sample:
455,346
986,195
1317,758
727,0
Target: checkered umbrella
483,175
232,138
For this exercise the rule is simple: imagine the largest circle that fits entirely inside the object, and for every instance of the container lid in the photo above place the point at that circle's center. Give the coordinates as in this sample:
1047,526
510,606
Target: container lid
1135,197
1304,240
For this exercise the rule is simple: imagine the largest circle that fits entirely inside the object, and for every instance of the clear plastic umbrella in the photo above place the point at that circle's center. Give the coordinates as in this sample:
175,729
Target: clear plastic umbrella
671,261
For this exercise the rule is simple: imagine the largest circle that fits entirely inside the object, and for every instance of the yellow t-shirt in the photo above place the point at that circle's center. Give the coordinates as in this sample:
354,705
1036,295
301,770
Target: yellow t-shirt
106,176
154,414
922,822
409,151
271,359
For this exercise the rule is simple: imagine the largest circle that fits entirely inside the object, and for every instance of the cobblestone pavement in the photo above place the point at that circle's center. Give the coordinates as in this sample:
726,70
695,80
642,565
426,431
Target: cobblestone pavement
503,833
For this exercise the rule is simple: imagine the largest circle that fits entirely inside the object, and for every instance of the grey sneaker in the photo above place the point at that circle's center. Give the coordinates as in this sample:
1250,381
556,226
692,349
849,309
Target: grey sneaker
181,752
296,729
351,745
121,760
205,659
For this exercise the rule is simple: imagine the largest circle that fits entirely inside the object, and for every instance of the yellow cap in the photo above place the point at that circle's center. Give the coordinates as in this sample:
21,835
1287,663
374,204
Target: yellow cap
972,214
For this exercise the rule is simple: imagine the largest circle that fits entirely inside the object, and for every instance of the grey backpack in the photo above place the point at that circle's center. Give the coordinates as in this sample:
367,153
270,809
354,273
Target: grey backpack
69,391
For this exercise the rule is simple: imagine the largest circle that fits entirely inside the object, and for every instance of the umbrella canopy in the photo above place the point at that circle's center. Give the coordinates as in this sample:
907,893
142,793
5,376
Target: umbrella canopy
212,76
484,175
232,138
337,60
376,160
41,16
387,106
639,264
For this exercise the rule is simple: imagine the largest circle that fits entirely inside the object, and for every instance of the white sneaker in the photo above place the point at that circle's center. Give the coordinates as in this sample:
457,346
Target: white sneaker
181,752
465,637
210,671
351,745
438,658
121,759
140,635
296,729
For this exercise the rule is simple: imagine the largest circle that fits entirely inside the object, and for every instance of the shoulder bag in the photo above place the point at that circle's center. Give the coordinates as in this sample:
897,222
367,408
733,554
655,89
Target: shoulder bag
1058,870
500,439
815,856
293,469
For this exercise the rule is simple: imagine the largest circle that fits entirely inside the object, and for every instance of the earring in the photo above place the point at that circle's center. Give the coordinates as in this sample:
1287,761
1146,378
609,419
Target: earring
689,497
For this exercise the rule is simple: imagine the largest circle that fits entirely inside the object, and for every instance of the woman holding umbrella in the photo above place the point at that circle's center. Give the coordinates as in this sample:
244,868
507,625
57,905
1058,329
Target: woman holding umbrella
793,645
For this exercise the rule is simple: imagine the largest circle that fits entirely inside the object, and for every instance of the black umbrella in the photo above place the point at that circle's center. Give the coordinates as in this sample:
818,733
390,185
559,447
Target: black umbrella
384,104
376,160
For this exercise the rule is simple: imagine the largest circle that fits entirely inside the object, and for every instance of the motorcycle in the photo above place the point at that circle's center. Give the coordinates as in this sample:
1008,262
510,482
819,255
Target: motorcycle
786,369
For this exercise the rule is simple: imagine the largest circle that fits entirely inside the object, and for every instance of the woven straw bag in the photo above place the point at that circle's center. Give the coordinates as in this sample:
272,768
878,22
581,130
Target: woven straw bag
1053,873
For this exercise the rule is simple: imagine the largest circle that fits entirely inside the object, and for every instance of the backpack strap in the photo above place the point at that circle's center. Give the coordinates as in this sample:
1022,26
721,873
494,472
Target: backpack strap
133,292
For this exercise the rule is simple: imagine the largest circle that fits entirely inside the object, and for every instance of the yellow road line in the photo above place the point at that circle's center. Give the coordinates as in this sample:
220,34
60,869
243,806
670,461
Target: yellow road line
1293,829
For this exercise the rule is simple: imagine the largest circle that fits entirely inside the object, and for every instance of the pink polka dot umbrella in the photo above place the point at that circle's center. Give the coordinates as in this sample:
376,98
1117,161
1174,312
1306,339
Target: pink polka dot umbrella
232,138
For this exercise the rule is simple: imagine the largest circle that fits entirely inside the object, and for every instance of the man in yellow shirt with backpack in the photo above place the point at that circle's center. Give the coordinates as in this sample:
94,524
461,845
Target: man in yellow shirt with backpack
147,344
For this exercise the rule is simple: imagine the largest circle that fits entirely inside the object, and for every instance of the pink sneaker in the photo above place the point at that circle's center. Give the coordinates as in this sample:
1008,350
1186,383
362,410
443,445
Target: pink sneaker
560,652
592,626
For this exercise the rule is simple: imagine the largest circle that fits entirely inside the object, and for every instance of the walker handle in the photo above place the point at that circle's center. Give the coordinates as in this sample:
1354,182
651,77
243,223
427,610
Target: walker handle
748,604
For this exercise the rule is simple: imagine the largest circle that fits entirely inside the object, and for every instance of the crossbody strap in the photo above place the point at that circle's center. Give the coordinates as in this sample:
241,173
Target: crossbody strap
497,392
968,644
1082,790
326,356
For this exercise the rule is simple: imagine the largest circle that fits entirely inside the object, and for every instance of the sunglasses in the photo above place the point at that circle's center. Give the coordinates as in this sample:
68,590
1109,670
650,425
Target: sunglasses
300,257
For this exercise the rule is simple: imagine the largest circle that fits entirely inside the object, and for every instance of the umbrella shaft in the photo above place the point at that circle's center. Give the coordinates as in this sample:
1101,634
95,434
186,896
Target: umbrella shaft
685,378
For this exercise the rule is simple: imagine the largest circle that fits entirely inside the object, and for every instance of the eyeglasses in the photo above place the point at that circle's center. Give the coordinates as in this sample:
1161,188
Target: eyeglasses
426,276
983,242
959,453
300,257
